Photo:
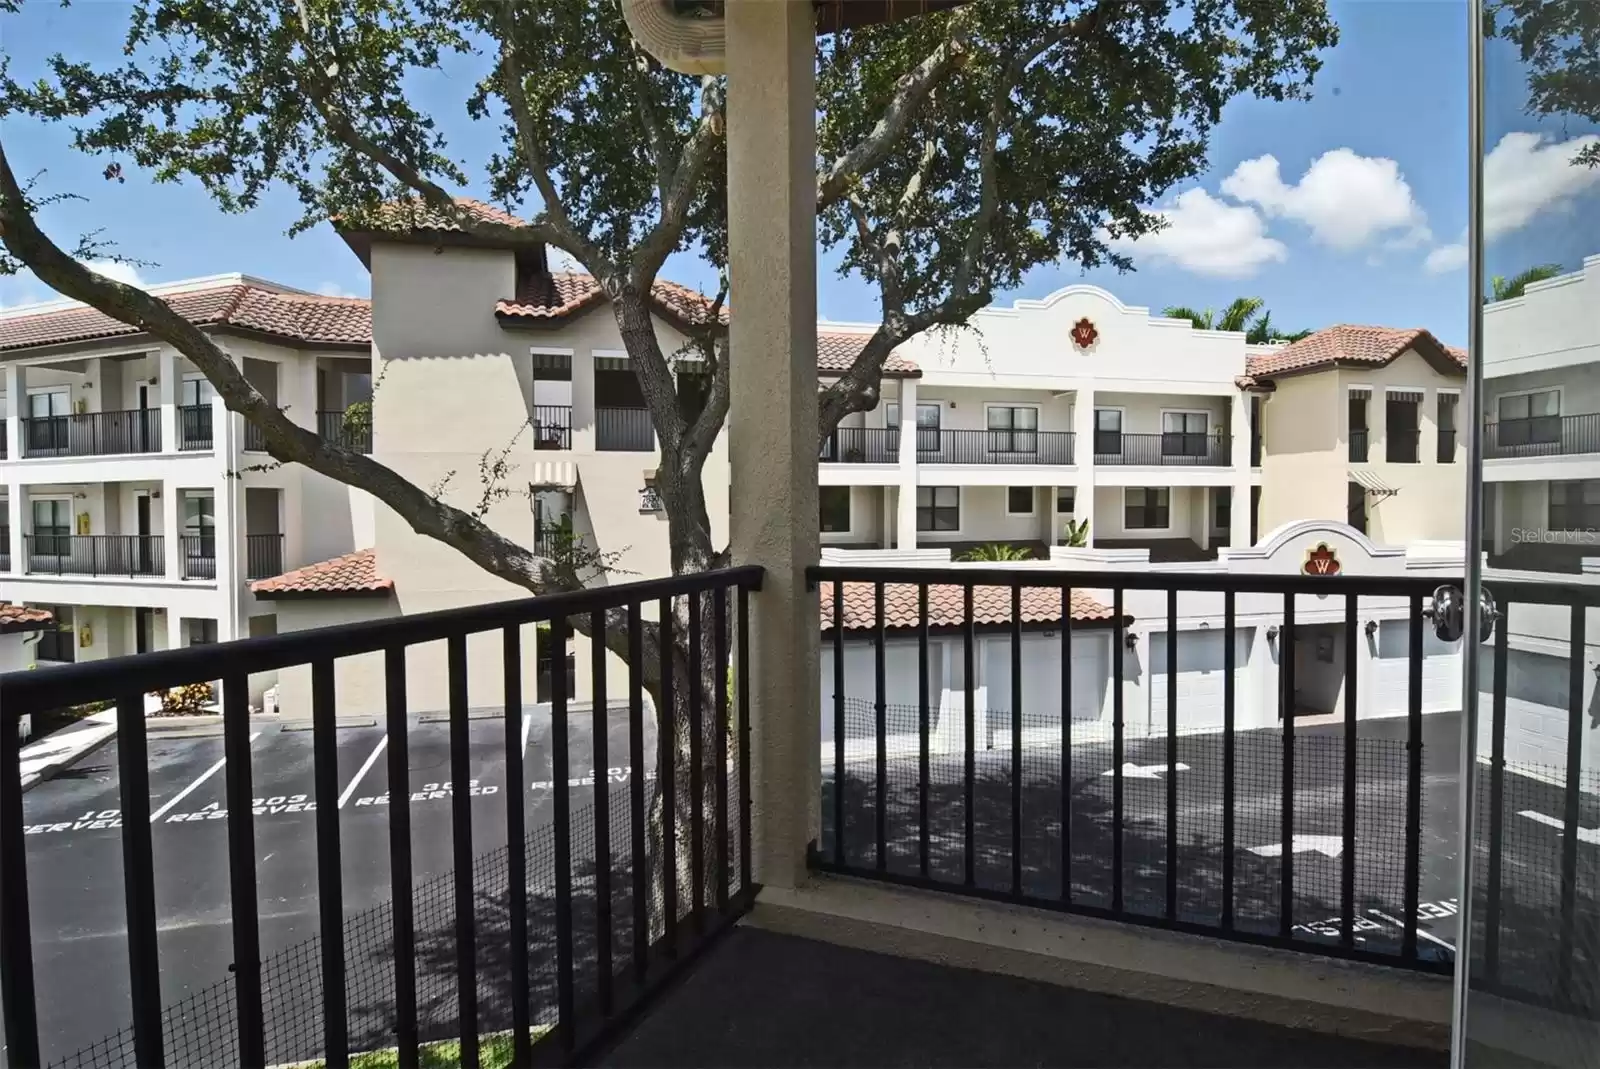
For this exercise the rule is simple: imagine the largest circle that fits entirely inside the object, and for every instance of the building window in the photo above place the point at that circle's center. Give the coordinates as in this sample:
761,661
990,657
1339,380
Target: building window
1222,503
1019,501
1529,419
202,632
544,666
927,425
52,526
1356,507
1255,514
835,509
1575,505
1447,428
1257,432
1183,434
59,641
1013,430
1358,426
1401,423
1108,431
1067,500
1147,508
938,508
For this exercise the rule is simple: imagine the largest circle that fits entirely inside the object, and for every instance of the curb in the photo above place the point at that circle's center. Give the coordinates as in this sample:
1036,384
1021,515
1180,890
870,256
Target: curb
61,749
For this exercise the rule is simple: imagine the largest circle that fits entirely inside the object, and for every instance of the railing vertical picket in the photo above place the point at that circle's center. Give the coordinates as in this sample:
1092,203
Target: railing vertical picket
400,909
461,847
667,755
923,770
600,764
1576,723
1413,865
719,744
743,673
242,872
1497,787
880,715
20,1013
969,723
1066,744
1347,856
1229,659
1286,808
1016,739
330,879
838,723
1172,753
1117,624
561,787
638,861
516,847
139,881
697,796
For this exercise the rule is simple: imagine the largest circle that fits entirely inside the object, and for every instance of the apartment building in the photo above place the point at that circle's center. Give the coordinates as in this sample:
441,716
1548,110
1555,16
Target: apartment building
1541,449
136,507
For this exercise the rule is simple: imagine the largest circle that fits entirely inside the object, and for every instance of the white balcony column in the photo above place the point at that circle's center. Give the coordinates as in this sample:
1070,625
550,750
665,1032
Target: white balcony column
1207,505
1083,457
176,639
16,408
170,385
171,521
228,509
18,521
583,416
1239,507
771,50
906,535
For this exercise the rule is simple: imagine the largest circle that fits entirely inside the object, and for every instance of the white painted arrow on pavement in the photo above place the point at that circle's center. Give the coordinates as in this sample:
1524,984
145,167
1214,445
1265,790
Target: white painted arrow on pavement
1331,845
1585,835
1133,771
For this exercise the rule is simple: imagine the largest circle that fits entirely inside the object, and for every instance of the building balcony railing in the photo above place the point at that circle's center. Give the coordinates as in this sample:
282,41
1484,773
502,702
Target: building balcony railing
93,434
194,427
263,556
1164,450
881,445
255,439
1402,446
349,427
624,430
1542,436
199,557
95,555
1358,445
5,443
552,427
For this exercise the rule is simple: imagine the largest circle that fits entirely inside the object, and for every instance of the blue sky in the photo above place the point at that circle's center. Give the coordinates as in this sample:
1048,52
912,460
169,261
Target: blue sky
1345,208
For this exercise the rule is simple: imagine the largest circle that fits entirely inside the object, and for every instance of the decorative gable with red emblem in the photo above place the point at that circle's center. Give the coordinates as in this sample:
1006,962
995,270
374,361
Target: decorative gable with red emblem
1084,333
1321,560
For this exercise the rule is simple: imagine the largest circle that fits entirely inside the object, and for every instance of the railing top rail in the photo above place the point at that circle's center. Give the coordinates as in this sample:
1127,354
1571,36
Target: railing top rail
29,692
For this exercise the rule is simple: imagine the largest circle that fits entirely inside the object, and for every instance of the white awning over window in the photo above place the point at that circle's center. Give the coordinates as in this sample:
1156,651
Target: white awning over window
1404,395
1368,480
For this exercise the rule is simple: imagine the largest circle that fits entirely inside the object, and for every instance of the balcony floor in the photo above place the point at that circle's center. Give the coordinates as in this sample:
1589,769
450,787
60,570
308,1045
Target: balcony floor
764,998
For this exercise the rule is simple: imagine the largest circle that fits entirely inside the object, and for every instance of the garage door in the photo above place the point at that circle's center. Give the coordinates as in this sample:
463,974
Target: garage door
1536,712
1200,677
1388,693
1041,683
860,689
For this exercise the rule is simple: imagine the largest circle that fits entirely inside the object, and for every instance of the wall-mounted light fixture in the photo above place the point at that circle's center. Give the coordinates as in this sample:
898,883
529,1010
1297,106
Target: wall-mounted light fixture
1272,632
1371,628
1131,640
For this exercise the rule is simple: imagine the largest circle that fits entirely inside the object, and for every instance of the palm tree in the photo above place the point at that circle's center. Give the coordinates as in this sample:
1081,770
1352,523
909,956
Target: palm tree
1246,314
1505,289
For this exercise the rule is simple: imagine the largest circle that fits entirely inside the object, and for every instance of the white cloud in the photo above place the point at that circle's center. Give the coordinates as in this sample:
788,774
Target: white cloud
1445,258
1208,237
333,289
562,261
1525,175
117,272
1346,199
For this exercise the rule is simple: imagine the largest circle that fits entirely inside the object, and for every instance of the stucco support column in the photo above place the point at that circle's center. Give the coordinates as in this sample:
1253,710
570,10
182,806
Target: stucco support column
583,401
169,385
907,517
171,518
20,520
1207,511
1239,507
1083,457
16,408
175,635
773,435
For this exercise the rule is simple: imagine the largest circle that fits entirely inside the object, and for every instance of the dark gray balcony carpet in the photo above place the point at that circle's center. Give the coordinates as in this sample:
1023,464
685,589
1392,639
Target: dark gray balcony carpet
764,999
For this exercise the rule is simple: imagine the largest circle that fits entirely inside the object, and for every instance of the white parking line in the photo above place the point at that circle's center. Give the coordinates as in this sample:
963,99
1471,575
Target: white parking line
181,795
362,771
1401,925
527,726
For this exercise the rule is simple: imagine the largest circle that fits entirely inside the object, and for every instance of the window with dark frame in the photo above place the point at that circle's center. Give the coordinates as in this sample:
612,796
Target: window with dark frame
1013,429
1019,501
1358,426
1222,503
1529,418
1108,431
938,508
1356,506
1447,427
1147,508
834,507
202,632
1067,500
1402,420
1575,505
1183,434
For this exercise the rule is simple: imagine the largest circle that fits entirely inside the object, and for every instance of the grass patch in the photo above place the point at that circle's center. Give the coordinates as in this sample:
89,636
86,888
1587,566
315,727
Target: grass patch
494,1052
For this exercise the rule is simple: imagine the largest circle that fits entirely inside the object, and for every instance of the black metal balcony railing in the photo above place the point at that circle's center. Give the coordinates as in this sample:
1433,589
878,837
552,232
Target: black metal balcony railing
1542,436
624,430
552,427
5,444
5,545
94,555
1213,449
199,560
255,439
194,427
263,556
1039,805
863,445
600,902
1446,452
1402,445
881,445
351,428
93,434
1358,445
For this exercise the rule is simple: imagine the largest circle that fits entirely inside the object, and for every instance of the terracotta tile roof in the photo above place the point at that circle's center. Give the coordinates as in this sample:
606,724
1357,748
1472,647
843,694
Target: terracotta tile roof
411,215
836,349
295,317
354,573
564,293
23,618
1345,345
990,605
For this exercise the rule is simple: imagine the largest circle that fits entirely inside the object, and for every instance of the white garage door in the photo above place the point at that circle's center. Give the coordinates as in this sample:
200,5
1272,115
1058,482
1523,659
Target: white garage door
1388,691
860,689
1536,713
1041,683
1200,677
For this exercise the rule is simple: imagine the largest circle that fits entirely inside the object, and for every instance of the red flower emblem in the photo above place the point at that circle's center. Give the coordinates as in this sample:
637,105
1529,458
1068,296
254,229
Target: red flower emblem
1084,333
1322,560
